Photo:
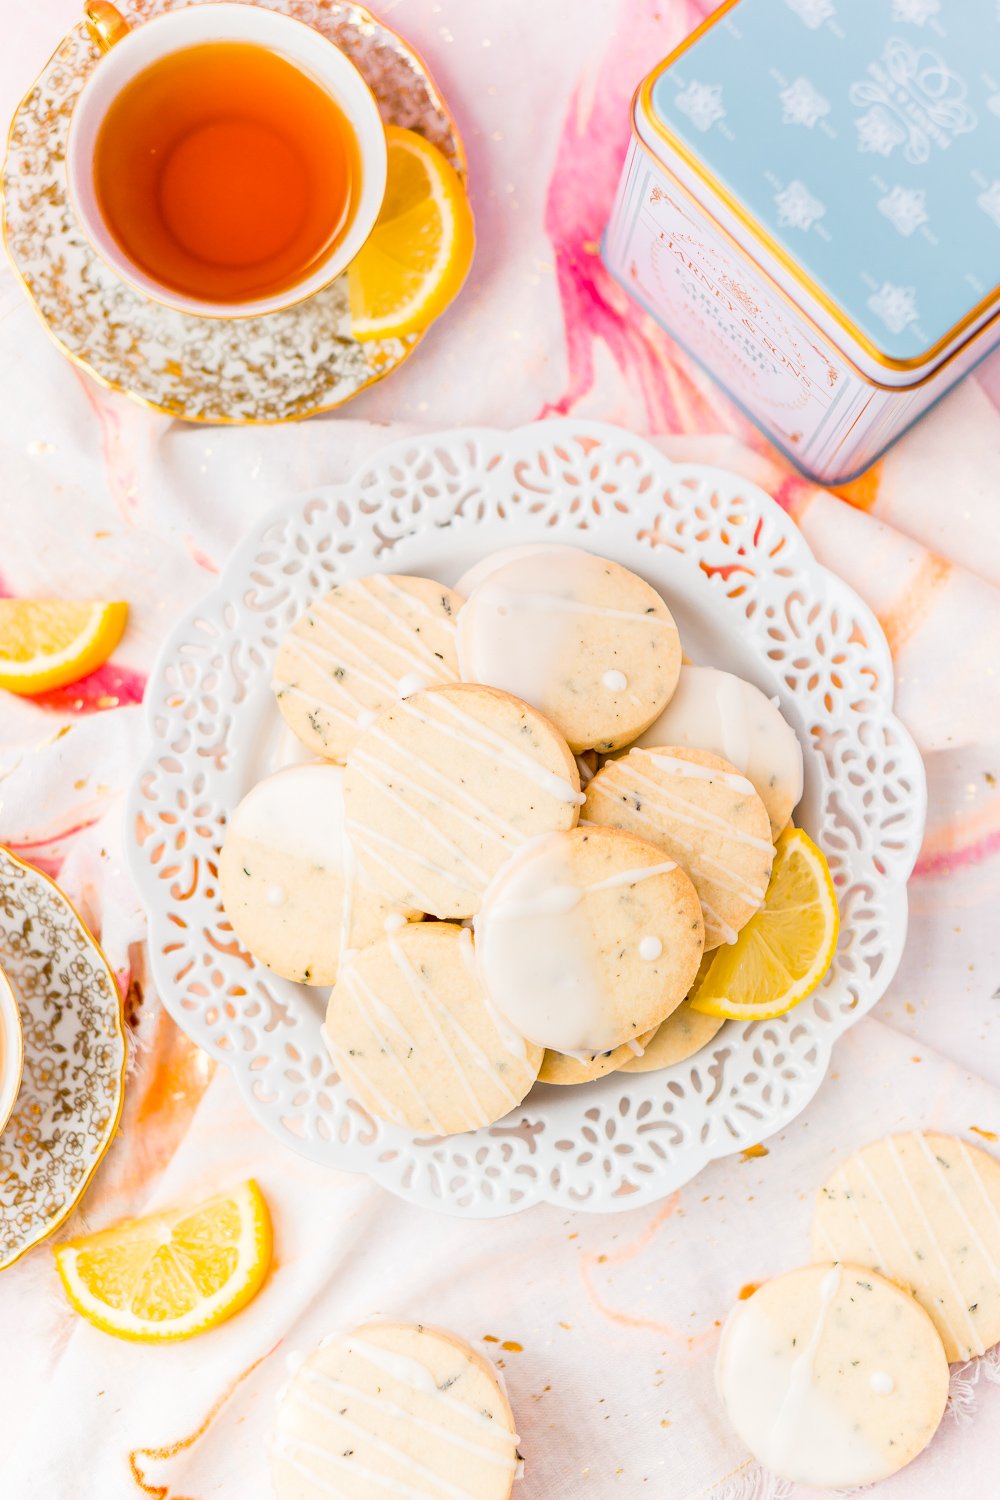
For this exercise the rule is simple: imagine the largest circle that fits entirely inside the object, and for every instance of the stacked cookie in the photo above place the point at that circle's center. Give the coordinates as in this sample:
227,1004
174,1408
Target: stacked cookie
495,884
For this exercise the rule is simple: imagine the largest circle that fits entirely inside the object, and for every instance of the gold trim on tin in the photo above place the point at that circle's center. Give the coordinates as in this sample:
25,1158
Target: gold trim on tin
796,307
119,1017
642,100
457,154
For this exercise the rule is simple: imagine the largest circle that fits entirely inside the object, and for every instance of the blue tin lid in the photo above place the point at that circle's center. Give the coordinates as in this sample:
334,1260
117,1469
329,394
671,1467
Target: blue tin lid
860,140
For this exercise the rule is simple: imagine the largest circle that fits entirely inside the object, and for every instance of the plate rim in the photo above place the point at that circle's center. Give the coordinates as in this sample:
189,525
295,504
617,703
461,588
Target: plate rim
121,1034
220,593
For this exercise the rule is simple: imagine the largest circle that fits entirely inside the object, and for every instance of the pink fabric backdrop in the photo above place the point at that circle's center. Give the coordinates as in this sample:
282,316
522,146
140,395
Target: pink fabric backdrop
618,1318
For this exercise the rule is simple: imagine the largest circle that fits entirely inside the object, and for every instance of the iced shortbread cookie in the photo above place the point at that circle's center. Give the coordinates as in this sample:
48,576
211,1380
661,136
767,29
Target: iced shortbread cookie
832,1376
561,1068
397,1410
357,650
588,939
716,711
677,1038
923,1209
587,642
493,561
289,881
414,1036
446,785
702,813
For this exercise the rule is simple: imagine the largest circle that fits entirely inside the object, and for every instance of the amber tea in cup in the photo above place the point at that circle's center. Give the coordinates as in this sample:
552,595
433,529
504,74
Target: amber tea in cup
225,172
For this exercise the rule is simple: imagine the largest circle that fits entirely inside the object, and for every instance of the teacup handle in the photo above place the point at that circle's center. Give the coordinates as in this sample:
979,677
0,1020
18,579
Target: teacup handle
105,24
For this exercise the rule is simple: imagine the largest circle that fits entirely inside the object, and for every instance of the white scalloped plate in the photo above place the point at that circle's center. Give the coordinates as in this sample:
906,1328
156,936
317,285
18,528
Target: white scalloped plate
747,594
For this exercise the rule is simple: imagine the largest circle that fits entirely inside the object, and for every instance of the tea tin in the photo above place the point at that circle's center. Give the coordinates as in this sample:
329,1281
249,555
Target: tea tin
810,206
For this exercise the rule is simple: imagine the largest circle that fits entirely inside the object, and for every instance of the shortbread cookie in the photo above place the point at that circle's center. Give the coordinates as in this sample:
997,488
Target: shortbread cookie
676,1039
923,1209
588,939
446,785
397,1410
289,881
703,814
832,1376
561,1068
357,650
415,1038
582,639
716,711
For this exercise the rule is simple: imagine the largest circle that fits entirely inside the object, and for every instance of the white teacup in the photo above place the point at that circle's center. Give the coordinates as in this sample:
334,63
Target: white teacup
129,50
11,1049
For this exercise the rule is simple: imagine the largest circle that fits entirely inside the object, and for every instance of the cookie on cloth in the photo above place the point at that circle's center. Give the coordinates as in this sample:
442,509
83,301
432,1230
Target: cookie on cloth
700,812
561,1068
717,711
393,1409
358,649
832,1376
923,1209
446,785
590,644
414,1037
588,939
289,881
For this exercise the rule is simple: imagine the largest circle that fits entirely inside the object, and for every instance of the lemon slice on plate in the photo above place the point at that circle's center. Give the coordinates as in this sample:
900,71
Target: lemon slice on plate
785,949
172,1274
46,643
419,252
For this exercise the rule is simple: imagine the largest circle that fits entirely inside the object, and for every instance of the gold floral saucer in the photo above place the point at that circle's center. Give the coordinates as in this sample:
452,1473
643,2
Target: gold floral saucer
70,1100
277,368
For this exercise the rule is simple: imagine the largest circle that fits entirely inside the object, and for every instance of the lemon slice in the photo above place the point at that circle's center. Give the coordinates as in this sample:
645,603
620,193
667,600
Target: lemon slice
173,1274
785,949
419,252
46,643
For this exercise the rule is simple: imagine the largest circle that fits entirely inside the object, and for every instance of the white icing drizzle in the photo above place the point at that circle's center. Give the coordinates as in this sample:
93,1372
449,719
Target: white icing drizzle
366,1003
410,1372
394,921
717,711
881,1382
413,682
474,874
363,1084
788,1419
288,1447
534,948
479,737
367,837
650,948
288,689
621,780
392,1409
615,682
275,895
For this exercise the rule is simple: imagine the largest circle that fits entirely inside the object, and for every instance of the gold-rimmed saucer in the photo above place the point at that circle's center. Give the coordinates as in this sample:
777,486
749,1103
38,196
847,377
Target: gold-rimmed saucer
277,368
70,1099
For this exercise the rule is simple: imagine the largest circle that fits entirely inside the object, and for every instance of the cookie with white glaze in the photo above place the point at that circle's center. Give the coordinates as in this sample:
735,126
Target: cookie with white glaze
562,1069
720,712
923,1209
394,1409
584,640
413,1035
700,812
358,649
288,879
832,1376
445,786
679,1037
588,939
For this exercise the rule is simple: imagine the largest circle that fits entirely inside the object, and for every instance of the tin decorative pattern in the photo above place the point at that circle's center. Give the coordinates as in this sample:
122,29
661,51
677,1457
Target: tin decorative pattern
862,137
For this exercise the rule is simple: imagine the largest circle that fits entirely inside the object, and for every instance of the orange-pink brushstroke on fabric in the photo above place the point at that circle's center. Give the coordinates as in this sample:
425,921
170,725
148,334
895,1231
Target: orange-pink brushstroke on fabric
48,851
182,1445
915,603
688,1342
199,555
109,687
965,841
119,467
580,195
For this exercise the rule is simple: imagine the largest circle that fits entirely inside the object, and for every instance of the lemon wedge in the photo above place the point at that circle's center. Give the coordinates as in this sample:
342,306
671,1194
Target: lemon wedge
47,643
173,1274
419,253
785,949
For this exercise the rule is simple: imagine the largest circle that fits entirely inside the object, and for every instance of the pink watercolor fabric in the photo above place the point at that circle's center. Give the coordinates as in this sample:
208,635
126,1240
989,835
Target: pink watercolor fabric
618,1318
